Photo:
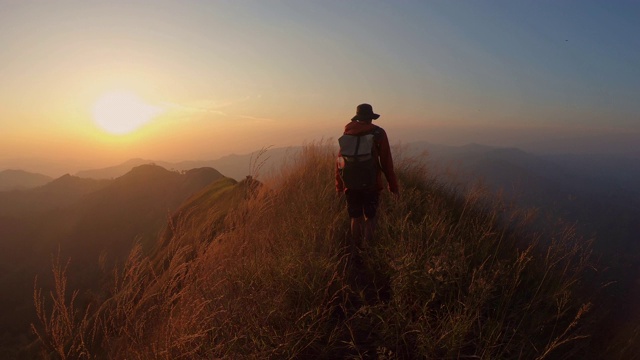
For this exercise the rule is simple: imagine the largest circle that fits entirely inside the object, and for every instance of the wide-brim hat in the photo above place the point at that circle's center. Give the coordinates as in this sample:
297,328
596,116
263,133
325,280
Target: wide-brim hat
365,112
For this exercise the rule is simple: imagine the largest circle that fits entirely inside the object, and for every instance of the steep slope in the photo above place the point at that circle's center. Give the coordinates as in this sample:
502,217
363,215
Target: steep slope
93,222
249,271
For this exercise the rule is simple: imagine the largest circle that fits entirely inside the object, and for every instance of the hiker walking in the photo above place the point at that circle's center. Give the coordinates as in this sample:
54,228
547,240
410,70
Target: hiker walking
364,155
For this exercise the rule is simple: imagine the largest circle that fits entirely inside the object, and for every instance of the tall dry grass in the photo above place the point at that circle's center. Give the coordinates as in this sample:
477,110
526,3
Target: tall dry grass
450,275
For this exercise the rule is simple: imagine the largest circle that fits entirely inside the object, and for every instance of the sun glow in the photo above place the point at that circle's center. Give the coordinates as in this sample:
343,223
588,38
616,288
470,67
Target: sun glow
122,112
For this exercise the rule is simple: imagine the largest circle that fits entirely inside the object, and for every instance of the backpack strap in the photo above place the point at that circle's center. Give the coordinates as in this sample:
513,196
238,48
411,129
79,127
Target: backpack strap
377,133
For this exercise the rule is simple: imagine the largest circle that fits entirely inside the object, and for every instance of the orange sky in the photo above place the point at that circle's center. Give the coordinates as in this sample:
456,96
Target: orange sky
237,76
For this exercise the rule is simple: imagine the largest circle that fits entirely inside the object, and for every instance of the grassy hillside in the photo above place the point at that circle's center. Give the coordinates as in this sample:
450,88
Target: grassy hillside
254,270
94,222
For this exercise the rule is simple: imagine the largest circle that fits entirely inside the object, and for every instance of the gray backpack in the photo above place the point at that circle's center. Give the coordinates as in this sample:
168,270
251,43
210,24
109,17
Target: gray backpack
358,160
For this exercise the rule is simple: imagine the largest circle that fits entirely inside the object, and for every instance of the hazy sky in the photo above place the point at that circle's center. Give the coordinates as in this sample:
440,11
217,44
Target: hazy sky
233,76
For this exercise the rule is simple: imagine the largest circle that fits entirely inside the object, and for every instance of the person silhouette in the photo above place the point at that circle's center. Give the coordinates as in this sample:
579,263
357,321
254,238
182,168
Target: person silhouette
362,202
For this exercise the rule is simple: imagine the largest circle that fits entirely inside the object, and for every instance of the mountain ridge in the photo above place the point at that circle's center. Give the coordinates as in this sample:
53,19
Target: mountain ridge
236,166
11,179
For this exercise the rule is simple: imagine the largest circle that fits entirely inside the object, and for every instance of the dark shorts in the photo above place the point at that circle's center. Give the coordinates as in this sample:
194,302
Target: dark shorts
362,203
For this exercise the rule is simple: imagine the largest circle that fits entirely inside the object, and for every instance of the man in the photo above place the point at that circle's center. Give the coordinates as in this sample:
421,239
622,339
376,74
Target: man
362,194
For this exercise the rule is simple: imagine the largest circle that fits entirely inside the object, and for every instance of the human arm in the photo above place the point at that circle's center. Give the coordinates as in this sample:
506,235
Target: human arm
386,163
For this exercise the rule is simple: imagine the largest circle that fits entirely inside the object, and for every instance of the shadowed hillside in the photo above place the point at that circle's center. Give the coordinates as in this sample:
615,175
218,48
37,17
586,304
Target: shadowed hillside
57,194
254,270
94,222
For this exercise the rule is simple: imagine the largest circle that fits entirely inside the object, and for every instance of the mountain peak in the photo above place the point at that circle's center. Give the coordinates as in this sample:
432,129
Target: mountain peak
145,168
147,172
203,171
113,172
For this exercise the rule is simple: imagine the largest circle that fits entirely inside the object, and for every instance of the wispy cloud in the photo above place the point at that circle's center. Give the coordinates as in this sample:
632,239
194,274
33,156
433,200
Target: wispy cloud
249,117
187,110
177,110
201,106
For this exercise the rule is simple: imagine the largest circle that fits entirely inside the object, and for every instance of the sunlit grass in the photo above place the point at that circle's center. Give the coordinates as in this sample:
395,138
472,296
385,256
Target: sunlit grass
264,273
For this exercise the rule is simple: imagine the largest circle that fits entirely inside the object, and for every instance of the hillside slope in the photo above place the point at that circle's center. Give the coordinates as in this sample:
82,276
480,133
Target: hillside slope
93,222
250,271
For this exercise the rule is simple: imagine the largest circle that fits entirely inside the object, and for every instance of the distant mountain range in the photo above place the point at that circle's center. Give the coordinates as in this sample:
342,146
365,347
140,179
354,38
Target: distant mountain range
573,187
605,169
233,166
600,192
19,179
625,144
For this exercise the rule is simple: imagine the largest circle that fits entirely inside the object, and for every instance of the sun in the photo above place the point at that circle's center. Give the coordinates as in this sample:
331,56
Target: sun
122,112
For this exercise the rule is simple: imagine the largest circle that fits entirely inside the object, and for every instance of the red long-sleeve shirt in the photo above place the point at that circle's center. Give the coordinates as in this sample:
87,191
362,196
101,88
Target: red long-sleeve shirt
384,155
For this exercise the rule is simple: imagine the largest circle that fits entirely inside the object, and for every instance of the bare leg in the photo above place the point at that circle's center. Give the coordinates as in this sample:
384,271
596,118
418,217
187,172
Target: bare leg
369,230
357,228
